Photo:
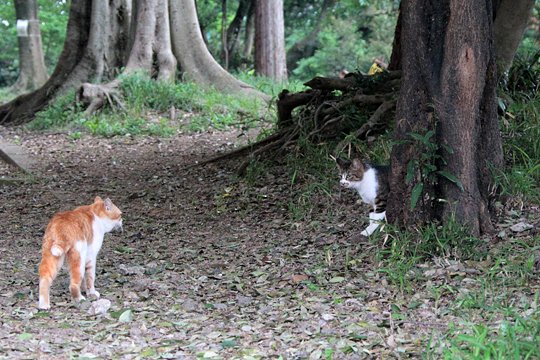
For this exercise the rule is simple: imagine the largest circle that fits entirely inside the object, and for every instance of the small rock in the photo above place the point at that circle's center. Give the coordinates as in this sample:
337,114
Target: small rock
244,300
190,305
99,307
220,306
327,317
520,227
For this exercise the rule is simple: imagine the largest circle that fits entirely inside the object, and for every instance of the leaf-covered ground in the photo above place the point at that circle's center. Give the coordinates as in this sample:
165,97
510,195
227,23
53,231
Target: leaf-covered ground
212,266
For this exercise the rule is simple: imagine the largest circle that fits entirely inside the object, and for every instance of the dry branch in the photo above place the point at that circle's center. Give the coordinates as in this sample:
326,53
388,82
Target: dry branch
326,114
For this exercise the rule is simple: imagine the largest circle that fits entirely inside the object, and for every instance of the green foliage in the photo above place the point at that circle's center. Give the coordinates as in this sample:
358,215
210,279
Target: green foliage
424,170
312,177
351,38
267,85
518,338
407,248
53,16
521,128
60,112
147,106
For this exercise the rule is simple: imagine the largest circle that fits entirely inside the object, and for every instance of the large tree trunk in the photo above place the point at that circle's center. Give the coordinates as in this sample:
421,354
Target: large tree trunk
150,53
33,72
152,37
510,24
270,39
195,59
448,87
94,49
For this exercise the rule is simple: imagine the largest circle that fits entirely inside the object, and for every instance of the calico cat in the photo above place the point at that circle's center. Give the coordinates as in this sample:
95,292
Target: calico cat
371,182
76,235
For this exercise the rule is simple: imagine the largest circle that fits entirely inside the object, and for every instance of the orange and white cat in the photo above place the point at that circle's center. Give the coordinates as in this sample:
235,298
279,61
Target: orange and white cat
77,236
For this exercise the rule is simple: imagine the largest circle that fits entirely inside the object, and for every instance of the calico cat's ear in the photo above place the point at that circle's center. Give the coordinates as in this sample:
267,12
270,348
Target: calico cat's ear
343,164
357,164
97,199
108,204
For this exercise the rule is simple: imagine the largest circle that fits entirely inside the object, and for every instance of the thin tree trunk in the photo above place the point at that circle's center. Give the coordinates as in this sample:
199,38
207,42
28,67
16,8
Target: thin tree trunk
395,58
249,40
195,59
33,72
270,40
510,24
306,46
224,43
233,30
447,55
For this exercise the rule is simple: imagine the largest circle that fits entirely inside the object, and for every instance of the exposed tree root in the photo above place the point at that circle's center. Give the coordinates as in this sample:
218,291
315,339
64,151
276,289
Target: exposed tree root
95,96
358,106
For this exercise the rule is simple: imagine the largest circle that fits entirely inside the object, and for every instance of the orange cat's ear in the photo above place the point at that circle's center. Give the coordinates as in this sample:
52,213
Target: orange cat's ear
97,199
108,204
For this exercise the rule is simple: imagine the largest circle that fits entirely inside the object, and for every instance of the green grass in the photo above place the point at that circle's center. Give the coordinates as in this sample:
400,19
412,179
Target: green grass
518,338
520,128
406,249
6,95
147,108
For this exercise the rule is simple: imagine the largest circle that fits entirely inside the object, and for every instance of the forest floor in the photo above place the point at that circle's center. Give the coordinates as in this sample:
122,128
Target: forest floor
213,266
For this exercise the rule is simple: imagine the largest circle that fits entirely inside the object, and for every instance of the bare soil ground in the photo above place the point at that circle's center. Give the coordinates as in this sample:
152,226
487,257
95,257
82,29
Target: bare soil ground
208,266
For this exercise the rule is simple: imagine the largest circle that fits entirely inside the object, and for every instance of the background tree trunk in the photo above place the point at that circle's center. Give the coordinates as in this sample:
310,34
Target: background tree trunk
308,44
195,59
249,39
151,33
510,24
270,40
33,72
233,31
94,49
449,87
395,58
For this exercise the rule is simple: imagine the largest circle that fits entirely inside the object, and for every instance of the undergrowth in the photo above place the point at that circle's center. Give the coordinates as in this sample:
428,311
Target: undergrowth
155,108
520,126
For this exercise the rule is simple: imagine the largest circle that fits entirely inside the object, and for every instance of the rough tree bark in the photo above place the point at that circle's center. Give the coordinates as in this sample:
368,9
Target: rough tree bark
509,26
193,56
151,39
94,49
448,86
270,40
33,72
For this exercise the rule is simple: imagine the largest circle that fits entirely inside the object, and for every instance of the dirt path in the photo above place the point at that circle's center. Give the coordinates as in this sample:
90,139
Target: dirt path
206,266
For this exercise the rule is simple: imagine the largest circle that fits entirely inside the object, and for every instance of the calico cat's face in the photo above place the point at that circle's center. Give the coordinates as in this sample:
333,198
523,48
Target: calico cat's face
351,172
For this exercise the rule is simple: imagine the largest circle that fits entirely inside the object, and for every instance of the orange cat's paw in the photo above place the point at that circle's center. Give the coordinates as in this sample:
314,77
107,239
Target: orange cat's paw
94,293
43,306
79,299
